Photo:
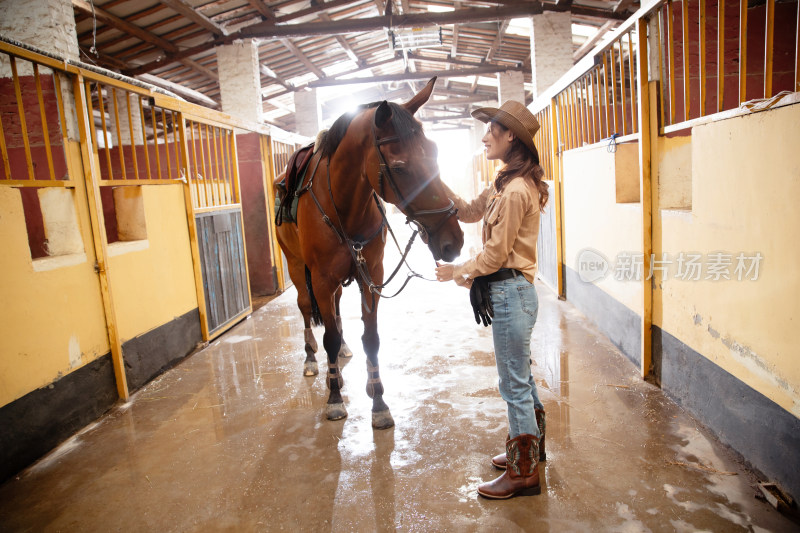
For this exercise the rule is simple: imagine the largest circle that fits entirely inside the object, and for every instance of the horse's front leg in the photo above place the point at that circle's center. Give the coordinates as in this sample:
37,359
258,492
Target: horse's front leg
381,417
332,342
345,350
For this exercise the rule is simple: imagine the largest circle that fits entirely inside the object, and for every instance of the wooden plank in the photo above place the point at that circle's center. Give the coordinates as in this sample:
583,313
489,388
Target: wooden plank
102,109
623,96
742,51
797,50
645,177
661,65
633,99
605,94
613,63
60,103
175,144
166,143
769,39
581,111
185,9
130,134
593,40
597,108
268,177
38,183
43,115
90,110
465,72
192,227
154,124
720,55
21,113
91,176
119,133
671,61
702,46
144,138
555,154
215,201
686,84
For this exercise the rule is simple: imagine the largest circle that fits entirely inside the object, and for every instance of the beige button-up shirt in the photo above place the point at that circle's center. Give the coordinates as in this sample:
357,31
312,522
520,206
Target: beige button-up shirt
510,230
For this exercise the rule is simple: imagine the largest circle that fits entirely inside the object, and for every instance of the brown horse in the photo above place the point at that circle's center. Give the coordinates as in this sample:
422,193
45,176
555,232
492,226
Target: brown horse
378,151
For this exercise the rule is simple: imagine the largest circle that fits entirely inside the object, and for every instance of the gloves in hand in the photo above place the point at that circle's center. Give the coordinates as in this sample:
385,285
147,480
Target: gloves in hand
481,301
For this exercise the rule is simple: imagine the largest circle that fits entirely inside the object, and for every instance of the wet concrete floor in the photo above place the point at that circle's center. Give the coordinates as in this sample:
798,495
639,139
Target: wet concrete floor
234,438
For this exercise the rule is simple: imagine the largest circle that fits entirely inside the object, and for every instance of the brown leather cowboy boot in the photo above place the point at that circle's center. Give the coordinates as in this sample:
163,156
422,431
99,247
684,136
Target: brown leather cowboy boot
499,461
522,470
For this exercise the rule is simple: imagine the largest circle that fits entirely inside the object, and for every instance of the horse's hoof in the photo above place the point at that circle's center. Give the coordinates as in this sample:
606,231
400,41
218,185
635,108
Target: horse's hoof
382,419
335,411
310,369
345,351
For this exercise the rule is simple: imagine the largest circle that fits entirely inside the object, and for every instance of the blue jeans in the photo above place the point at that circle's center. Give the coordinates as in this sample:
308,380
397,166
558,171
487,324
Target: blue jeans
515,308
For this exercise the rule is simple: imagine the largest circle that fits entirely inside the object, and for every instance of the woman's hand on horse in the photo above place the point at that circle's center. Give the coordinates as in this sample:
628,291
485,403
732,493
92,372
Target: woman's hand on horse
444,272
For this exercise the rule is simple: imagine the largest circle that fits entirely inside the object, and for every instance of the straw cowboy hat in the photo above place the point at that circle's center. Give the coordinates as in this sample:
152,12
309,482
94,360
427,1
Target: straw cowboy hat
514,116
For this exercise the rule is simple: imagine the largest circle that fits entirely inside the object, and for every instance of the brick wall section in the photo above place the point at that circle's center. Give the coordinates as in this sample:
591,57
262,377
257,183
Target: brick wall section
254,215
12,130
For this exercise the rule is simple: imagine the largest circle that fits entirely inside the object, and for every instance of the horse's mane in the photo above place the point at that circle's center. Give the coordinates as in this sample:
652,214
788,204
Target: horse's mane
404,123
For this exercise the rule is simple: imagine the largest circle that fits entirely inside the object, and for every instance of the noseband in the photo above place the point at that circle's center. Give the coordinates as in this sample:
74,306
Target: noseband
412,215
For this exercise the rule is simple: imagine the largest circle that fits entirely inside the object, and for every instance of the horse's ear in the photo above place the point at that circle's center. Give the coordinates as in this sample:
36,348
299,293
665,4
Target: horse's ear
421,97
383,114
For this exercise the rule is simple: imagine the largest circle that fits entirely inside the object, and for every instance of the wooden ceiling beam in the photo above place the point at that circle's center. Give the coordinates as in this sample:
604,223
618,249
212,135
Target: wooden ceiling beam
262,8
183,7
142,34
454,44
497,40
343,43
593,40
303,58
413,20
479,71
314,9
268,72
341,27
124,26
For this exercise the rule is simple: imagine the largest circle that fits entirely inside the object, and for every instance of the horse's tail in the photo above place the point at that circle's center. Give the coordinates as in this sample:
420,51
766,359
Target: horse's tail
316,315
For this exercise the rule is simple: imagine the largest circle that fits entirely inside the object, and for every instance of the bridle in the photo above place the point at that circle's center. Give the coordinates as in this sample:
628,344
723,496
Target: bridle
412,215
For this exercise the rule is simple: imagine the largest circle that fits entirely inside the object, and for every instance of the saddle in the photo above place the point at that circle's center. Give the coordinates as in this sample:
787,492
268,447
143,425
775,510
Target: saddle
289,186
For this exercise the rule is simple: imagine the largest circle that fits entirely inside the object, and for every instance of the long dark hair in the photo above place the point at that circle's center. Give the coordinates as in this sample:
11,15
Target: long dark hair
521,161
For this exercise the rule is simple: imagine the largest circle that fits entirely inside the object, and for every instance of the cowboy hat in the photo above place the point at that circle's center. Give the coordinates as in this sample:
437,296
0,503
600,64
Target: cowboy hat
514,116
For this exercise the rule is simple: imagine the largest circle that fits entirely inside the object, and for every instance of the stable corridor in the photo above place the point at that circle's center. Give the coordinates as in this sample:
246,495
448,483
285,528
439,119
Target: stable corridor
234,438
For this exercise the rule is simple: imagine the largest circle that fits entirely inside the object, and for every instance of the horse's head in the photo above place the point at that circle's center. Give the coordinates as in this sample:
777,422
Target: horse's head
408,174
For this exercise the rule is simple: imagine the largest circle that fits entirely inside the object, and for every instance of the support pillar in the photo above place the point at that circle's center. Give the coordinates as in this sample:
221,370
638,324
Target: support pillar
551,49
47,24
240,79
307,112
511,86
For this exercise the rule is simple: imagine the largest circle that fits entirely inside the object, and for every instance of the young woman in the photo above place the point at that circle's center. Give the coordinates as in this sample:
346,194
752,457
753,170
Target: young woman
510,209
